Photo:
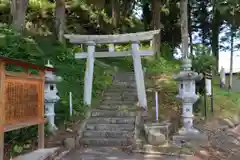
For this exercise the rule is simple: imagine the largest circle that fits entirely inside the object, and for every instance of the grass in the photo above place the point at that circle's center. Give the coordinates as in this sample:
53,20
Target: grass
226,104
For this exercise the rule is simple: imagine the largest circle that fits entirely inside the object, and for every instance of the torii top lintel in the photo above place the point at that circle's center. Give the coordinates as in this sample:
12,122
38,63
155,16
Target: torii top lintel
117,38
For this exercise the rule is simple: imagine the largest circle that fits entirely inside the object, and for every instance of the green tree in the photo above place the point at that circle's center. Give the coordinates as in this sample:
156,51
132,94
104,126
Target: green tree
231,12
18,12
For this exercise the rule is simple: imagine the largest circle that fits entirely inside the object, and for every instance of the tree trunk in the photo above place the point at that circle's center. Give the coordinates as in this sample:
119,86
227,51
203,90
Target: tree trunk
147,16
18,12
215,34
190,28
231,58
115,14
60,20
184,26
156,22
127,7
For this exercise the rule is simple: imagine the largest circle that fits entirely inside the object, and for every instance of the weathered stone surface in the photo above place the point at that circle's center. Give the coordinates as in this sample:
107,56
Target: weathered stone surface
120,94
157,133
112,123
112,120
117,127
116,107
40,154
108,134
113,102
156,138
162,127
104,141
120,98
101,113
123,89
69,142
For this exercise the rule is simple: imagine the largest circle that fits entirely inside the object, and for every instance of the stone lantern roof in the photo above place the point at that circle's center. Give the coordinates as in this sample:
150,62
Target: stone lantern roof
186,73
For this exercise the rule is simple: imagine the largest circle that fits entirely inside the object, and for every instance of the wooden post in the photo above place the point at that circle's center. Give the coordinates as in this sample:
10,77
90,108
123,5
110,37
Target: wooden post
89,73
41,112
205,96
2,108
139,75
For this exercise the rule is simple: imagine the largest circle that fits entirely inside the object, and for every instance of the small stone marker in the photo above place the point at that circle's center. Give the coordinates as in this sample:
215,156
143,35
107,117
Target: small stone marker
156,138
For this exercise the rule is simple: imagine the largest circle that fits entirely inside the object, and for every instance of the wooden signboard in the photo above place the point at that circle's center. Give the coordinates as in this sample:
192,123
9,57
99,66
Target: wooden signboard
21,99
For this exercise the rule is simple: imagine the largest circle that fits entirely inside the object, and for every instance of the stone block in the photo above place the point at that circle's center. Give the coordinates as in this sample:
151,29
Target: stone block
103,120
162,127
113,102
101,113
104,141
108,134
116,127
116,107
156,138
157,133
120,94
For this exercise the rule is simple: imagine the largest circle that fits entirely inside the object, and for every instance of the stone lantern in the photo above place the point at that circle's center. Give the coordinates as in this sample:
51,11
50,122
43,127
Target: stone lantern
51,97
187,94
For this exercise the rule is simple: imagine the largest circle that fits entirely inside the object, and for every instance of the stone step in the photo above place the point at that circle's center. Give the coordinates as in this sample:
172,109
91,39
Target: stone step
104,141
124,76
112,127
121,89
120,94
107,134
107,113
119,107
124,84
129,103
111,120
114,101
119,98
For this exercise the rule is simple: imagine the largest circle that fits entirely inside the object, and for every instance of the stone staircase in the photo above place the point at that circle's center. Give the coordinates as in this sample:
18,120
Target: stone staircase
112,123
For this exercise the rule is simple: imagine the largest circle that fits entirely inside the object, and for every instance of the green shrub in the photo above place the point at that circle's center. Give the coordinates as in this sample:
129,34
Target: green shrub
161,66
38,51
202,60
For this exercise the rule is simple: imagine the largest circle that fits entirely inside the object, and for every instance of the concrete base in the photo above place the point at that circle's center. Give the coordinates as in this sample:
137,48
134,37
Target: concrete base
184,131
40,154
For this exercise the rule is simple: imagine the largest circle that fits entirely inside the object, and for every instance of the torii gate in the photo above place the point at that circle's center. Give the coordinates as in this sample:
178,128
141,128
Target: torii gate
92,40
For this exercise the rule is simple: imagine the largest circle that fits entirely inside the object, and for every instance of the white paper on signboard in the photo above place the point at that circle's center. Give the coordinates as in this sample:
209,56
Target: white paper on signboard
208,87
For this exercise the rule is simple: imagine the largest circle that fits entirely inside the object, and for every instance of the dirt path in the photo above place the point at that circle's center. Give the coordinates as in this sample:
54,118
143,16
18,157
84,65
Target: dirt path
224,144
